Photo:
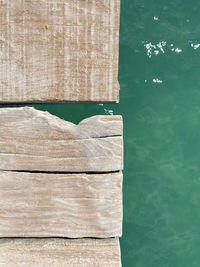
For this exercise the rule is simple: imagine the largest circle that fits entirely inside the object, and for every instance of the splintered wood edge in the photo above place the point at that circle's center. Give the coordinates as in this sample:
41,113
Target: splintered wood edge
34,140
60,252
93,127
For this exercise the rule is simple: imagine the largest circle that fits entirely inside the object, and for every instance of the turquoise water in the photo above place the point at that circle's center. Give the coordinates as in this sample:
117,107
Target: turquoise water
160,102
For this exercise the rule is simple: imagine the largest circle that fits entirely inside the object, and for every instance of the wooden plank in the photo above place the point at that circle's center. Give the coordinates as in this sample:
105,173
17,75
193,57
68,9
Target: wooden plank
60,205
59,51
32,140
60,252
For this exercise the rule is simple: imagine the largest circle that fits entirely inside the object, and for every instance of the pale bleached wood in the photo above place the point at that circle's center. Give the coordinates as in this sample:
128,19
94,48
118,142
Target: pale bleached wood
63,205
33,140
59,50
60,253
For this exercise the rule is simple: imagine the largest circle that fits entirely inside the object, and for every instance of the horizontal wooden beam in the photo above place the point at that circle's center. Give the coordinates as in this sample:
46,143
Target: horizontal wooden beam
32,140
60,205
59,51
60,252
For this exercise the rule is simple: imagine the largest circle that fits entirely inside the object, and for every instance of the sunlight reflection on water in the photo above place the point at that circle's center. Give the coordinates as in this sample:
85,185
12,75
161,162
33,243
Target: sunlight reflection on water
162,47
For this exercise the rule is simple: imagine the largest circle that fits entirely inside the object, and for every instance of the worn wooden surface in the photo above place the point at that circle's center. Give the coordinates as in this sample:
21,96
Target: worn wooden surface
33,140
60,252
64,205
59,50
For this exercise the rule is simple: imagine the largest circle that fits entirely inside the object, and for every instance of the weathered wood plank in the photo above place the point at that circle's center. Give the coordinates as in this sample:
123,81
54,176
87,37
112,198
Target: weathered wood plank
59,50
60,205
33,140
60,252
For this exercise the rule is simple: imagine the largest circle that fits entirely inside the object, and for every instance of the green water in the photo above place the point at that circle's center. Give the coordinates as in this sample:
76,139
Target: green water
160,102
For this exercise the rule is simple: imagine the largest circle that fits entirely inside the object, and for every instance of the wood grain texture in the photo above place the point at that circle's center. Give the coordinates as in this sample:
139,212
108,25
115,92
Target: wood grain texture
60,205
59,50
60,253
32,140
